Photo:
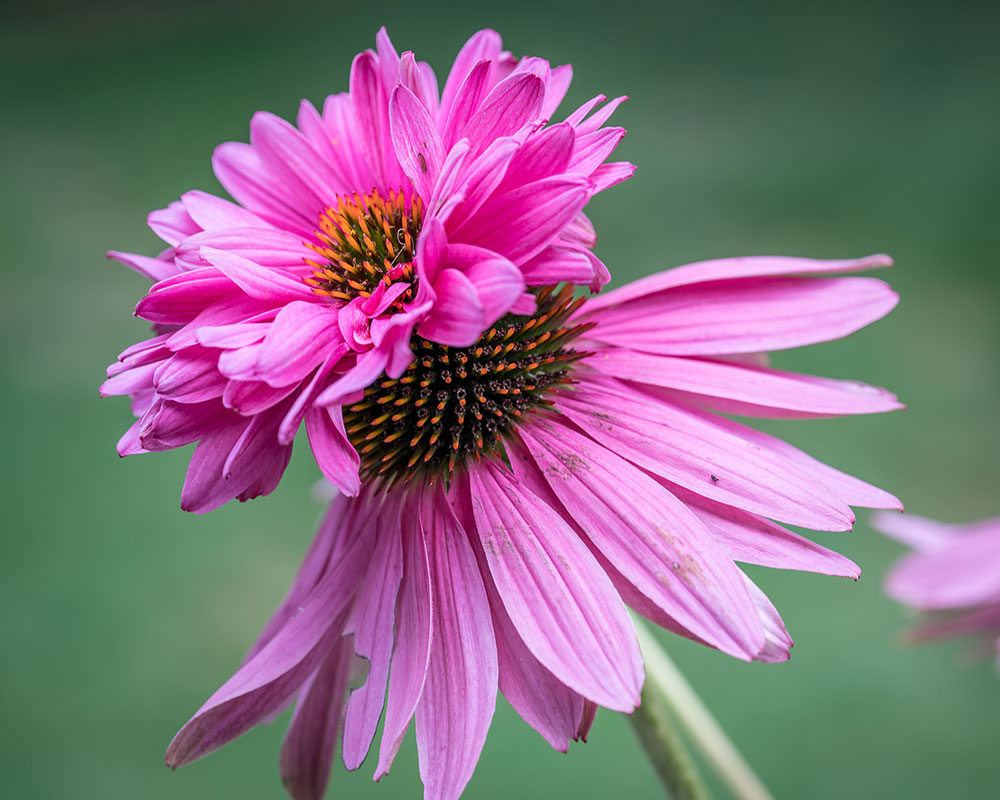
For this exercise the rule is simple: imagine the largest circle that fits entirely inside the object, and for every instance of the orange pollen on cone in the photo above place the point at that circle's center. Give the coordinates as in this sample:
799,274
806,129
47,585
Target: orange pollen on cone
365,240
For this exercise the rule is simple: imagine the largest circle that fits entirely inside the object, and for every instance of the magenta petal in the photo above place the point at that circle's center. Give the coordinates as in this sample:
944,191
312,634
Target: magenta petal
239,170
556,264
416,141
458,317
560,600
267,680
520,223
172,224
482,45
685,572
481,179
411,650
920,533
545,154
156,269
466,102
260,283
307,750
372,624
459,696
302,336
337,459
498,285
212,213
512,103
368,367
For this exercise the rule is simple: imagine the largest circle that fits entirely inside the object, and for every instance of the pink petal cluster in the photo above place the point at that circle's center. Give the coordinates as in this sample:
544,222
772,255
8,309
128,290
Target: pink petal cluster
952,575
255,334
628,490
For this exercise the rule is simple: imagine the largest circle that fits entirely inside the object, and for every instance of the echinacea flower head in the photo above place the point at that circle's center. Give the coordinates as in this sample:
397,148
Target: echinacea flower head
521,491
397,213
951,576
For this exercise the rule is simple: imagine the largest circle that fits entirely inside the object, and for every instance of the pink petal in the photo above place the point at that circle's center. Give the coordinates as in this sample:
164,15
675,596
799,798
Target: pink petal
728,269
920,533
372,625
335,455
307,750
963,573
182,297
598,118
368,367
267,680
608,175
173,223
411,650
520,223
512,103
752,539
481,179
240,171
482,45
368,101
302,336
212,213
306,180
459,696
335,532
562,77
545,154
190,376
737,389
745,316
458,317
684,572
260,283
693,449
590,150
498,285
415,140
467,100
555,264
156,269
266,247
561,602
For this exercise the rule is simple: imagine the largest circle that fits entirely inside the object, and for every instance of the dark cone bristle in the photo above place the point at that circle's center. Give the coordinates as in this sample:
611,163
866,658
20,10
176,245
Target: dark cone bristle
455,403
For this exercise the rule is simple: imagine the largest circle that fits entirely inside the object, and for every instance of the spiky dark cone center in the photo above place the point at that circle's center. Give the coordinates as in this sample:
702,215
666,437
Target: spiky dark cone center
453,404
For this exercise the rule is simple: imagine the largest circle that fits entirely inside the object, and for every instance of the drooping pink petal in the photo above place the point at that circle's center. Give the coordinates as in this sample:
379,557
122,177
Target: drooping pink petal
752,539
411,648
372,624
650,536
498,285
560,601
459,697
335,533
266,681
266,247
307,750
694,450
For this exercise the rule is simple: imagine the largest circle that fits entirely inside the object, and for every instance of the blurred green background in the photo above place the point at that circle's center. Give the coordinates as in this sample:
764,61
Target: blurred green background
779,128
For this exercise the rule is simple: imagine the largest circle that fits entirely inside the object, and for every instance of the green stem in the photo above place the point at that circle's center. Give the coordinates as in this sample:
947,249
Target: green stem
662,742
664,680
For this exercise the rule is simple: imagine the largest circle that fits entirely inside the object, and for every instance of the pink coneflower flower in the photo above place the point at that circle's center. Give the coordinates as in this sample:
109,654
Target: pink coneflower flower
396,211
952,575
583,470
